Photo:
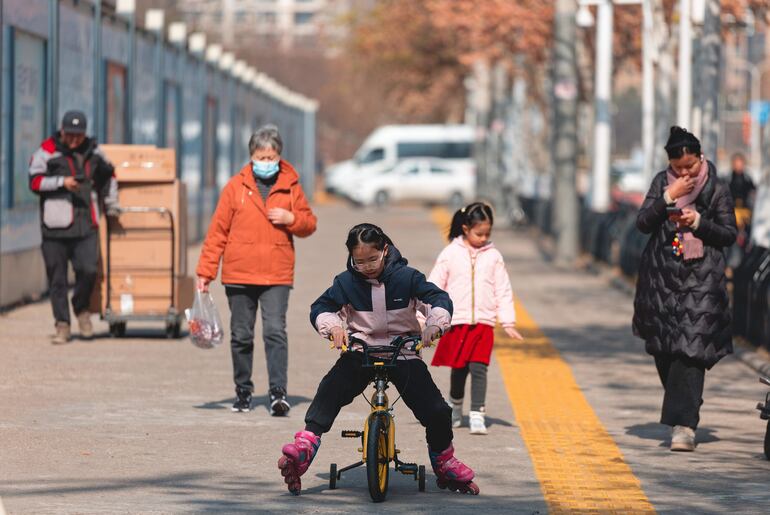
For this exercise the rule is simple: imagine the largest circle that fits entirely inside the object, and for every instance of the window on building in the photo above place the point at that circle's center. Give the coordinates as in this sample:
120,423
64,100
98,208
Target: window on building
115,76
28,126
303,18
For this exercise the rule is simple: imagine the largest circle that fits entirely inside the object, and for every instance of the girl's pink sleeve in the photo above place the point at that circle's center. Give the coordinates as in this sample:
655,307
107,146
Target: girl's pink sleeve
504,295
440,273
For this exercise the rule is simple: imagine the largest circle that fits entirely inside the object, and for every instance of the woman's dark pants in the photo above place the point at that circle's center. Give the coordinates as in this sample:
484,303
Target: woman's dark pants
682,379
244,302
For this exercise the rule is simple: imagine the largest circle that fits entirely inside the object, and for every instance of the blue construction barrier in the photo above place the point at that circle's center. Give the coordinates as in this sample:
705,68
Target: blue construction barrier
137,87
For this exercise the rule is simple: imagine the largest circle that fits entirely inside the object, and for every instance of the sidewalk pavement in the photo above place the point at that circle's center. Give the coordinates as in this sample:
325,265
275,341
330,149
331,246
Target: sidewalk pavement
143,424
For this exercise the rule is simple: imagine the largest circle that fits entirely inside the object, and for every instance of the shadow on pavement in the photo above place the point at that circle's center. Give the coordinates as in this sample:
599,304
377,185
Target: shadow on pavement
256,402
182,483
662,433
490,421
139,333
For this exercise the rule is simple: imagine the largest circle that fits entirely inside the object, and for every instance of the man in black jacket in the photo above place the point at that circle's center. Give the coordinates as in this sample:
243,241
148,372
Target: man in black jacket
741,186
74,182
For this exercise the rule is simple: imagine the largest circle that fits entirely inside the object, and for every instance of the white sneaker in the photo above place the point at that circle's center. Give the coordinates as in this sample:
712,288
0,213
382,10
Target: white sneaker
457,412
682,439
478,427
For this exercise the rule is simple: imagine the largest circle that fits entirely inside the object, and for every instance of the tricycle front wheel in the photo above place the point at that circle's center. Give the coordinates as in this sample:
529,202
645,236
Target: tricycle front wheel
377,459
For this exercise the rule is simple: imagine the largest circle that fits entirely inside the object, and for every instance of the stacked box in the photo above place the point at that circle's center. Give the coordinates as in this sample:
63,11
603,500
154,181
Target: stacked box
140,245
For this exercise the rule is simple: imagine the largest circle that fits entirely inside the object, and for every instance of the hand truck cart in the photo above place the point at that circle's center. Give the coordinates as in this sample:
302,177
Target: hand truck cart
117,319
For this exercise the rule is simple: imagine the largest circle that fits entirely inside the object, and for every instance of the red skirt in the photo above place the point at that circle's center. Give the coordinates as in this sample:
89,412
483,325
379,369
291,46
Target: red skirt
463,344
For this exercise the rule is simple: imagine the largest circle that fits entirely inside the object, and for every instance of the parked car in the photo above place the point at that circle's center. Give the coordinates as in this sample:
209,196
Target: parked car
389,144
426,180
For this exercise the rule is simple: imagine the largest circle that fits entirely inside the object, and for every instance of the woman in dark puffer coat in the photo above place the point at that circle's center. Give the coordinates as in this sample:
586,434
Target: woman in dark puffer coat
681,307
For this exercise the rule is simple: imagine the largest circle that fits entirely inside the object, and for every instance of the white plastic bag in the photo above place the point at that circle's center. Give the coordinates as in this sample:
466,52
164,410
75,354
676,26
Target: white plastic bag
204,322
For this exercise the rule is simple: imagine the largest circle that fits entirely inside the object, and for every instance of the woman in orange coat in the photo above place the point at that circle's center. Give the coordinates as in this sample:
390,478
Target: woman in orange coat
260,210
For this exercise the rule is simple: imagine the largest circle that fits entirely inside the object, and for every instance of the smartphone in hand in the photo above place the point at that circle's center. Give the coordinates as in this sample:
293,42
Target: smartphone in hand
674,211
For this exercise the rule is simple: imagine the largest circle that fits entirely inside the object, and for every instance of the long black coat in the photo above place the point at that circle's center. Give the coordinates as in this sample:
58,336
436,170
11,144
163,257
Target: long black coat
681,307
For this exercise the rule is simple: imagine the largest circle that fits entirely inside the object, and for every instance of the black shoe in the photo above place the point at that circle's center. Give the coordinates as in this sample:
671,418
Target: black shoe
279,406
243,401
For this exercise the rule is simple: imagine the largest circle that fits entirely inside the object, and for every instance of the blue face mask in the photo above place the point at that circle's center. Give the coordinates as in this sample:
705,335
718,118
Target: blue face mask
265,169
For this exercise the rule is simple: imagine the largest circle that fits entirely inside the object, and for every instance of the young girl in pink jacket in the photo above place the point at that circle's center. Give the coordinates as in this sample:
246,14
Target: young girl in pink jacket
472,271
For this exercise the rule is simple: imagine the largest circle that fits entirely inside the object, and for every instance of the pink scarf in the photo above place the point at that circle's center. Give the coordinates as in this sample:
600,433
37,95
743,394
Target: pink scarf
692,246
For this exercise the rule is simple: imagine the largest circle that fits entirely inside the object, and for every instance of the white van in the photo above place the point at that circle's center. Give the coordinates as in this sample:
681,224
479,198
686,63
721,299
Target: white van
390,144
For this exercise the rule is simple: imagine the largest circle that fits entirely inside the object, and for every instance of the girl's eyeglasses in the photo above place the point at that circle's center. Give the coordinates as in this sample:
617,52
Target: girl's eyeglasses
368,266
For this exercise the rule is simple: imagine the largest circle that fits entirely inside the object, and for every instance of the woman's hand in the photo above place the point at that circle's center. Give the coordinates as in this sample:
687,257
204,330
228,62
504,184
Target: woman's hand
279,216
687,218
203,284
682,186
513,333
339,337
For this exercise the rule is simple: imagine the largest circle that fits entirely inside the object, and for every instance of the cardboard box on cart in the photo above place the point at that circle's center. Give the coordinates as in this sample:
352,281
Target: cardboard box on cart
141,251
140,243
141,163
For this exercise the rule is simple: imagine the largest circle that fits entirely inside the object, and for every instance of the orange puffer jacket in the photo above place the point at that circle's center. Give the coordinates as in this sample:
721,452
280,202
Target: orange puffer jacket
252,249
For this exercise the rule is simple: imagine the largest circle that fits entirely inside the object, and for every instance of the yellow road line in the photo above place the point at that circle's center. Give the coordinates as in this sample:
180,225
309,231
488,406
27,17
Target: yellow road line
578,465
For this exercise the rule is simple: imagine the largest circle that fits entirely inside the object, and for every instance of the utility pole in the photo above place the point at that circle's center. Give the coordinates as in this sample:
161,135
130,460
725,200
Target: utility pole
684,83
709,63
649,53
564,153
665,78
600,183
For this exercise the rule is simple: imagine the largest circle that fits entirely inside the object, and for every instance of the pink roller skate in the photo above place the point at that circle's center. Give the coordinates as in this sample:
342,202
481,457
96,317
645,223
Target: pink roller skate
452,473
297,457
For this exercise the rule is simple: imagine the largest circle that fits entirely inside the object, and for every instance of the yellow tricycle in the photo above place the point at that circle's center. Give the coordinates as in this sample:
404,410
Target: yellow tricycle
378,439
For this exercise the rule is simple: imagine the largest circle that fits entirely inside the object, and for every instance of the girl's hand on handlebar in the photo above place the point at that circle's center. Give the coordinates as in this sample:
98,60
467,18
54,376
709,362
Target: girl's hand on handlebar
339,338
513,333
430,334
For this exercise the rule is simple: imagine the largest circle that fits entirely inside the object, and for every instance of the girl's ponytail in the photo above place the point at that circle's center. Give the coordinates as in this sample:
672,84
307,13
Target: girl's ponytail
456,228
469,216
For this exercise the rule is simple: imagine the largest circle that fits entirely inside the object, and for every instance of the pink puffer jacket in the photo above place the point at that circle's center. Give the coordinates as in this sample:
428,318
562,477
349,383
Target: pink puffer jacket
477,282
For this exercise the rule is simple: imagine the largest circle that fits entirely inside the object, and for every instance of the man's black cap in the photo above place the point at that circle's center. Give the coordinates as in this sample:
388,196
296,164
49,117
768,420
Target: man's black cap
74,122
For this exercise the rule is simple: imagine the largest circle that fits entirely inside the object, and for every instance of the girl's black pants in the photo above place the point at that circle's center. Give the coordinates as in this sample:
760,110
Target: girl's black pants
347,379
